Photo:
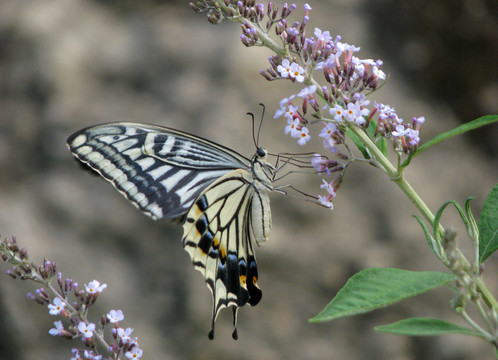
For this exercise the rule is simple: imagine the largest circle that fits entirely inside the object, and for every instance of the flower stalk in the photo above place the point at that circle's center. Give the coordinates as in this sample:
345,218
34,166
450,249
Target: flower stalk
74,312
336,83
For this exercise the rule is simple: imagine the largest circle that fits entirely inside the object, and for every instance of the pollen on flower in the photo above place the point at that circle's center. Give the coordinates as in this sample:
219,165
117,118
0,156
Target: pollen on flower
337,112
292,127
285,68
56,307
303,136
296,72
328,129
94,287
125,335
86,329
291,112
284,104
135,353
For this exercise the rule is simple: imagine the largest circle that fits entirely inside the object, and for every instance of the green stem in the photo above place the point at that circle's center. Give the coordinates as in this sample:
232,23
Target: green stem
487,296
398,178
483,334
395,176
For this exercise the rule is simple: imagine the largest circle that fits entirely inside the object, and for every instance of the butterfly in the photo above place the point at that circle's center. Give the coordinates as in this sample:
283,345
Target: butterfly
220,196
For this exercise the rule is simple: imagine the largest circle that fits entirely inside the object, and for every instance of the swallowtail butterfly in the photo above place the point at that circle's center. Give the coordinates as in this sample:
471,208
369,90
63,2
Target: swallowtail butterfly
220,196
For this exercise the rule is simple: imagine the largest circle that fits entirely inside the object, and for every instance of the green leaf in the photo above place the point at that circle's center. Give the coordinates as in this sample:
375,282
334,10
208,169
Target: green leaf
439,213
379,287
471,125
381,142
471,225
359,144
424,327
488,225
382,146
435,246
371,128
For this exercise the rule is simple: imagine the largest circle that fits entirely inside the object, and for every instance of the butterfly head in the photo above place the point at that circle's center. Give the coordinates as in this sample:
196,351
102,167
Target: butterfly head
261,153
262,169
261,158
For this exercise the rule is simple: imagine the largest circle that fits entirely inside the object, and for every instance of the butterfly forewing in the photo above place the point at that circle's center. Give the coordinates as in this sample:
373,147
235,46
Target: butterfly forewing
221,195
160,170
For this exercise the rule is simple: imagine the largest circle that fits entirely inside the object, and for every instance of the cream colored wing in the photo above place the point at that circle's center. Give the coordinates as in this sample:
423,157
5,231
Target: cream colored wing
220,231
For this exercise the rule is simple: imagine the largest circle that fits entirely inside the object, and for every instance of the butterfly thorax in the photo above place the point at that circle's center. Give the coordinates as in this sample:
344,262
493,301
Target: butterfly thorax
262,170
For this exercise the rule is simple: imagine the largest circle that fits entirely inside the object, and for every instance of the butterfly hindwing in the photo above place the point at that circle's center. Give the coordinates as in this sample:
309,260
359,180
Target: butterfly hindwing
219,236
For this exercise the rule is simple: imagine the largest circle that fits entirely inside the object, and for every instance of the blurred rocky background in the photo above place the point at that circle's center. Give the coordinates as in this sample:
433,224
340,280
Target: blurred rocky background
65,65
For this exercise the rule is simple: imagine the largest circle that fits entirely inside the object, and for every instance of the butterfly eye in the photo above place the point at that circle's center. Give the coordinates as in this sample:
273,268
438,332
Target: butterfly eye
261,152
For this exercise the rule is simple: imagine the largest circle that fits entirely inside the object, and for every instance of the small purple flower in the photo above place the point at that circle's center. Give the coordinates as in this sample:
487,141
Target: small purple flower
285,68
417,122
115,316
325,201
291,112
303,136
352,112
400,131
296,72
86,329
329,143
292,127
328,187
337,112
385,111
413,136
91,356
125,335
307,91
360,100
328,130
57,330
345,47
135,353
76,354
56,307
94,287
284,103
323,36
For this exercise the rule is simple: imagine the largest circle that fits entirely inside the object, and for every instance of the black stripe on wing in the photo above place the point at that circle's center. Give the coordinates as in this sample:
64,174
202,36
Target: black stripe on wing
160,190
192,152
217,235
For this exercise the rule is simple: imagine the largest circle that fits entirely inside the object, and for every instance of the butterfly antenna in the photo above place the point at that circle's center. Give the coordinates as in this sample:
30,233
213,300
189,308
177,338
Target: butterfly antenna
262,118
253,133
